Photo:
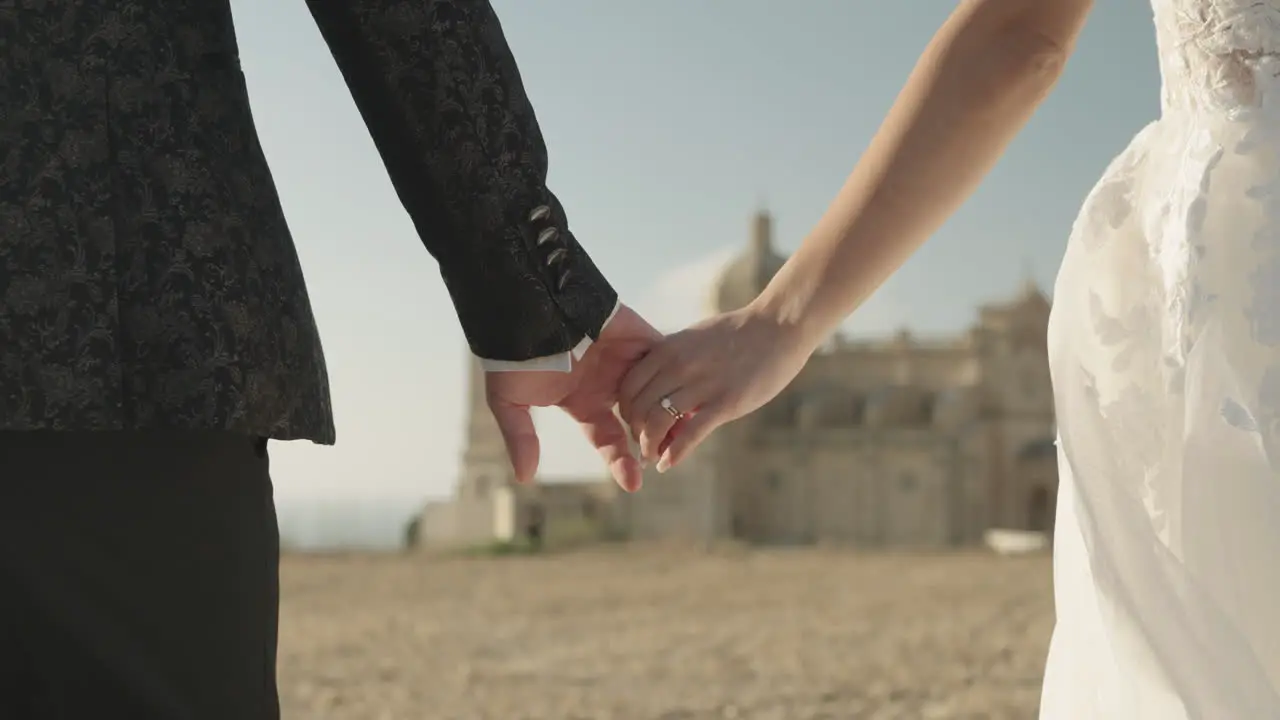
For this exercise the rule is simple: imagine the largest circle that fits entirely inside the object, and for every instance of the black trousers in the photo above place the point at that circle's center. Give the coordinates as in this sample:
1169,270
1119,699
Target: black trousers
139,577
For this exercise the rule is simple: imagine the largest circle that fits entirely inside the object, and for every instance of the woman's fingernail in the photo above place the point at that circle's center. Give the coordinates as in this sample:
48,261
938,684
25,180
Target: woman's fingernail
664,464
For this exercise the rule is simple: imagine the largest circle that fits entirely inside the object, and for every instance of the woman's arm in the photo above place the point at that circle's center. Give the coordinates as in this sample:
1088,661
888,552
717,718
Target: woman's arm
976,85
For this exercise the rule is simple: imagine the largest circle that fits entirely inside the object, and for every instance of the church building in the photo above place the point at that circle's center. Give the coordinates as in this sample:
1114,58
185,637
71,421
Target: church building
900,442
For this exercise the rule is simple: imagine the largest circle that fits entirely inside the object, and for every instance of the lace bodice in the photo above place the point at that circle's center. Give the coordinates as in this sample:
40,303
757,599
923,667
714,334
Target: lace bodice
1218,55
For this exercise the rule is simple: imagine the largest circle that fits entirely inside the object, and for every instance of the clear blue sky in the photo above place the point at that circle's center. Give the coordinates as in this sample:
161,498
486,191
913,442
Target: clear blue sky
668,123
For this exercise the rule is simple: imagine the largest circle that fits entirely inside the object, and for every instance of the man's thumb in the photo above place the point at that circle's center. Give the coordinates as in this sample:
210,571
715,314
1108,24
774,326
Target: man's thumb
516,424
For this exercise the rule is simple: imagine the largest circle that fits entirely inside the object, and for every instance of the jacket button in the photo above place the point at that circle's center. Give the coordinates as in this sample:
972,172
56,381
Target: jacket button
564,278
556,256
548,235
541,212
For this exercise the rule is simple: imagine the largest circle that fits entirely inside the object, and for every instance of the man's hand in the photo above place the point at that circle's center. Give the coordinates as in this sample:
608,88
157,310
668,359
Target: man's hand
588,394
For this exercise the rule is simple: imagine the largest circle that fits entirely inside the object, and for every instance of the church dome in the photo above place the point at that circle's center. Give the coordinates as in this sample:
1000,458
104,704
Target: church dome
749,273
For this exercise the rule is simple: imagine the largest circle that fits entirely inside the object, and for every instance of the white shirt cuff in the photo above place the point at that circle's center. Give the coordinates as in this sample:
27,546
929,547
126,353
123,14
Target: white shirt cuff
560,362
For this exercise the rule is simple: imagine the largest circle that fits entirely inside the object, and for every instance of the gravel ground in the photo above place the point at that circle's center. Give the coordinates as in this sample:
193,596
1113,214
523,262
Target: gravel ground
662,634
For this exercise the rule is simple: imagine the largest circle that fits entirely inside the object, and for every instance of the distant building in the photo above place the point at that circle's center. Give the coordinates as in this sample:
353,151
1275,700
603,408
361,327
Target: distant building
488,504
901,442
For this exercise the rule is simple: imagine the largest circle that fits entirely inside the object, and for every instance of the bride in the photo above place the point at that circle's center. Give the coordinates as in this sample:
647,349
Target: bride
1164,344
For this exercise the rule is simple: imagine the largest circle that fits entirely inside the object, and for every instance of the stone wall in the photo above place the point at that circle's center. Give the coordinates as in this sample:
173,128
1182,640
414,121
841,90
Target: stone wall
471,521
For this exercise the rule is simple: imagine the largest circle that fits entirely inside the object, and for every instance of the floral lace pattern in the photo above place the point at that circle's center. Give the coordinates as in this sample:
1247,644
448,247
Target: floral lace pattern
1217,54
1165,350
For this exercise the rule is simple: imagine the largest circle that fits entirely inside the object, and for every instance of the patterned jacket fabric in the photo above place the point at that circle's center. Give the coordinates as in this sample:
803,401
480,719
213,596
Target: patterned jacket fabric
148,278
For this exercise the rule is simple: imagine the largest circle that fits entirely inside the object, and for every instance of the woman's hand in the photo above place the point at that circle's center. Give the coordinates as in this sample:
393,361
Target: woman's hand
713,372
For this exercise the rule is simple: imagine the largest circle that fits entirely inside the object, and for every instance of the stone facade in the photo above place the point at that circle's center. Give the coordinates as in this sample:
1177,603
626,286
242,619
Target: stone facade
896,443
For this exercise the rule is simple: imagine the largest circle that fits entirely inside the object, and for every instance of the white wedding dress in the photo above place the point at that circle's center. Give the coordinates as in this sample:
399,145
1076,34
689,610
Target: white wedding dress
1165,350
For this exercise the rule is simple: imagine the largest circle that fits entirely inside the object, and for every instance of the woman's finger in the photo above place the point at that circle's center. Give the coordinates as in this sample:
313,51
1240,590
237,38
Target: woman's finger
657,423
668,378
691,432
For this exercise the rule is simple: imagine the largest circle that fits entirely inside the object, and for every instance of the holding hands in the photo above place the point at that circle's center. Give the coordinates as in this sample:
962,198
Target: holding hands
670,392
698,379
977,84
587,394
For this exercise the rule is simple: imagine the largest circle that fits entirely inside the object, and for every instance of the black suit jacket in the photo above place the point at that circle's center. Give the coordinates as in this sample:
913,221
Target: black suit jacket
147,276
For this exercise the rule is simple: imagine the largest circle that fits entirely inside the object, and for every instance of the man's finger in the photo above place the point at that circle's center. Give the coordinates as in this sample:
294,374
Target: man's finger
689,433
605,431
521,438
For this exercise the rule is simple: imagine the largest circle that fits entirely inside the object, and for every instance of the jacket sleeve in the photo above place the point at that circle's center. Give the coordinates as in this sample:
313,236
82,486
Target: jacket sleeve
440,92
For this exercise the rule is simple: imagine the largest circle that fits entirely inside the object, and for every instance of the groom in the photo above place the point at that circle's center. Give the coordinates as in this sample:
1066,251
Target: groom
155,330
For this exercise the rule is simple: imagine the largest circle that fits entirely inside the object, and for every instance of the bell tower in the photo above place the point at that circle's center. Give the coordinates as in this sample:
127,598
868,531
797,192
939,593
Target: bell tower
485,466
762,234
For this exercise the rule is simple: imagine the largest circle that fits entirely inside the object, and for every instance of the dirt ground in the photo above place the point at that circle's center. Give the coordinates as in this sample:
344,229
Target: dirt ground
663,634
